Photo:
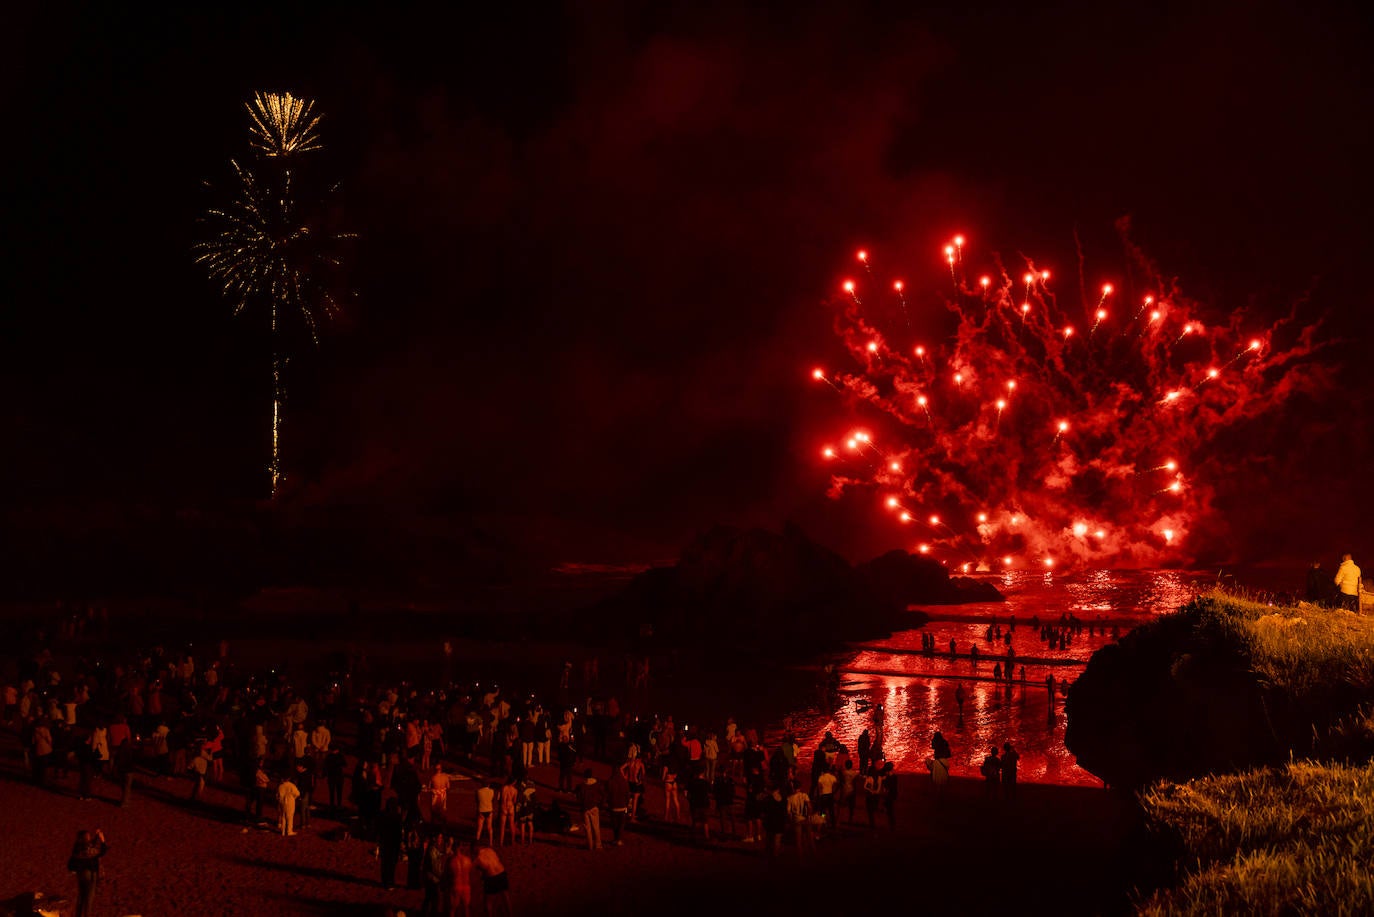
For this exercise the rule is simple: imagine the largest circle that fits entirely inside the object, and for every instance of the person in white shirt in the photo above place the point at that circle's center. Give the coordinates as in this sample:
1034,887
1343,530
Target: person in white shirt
1348,582
320,737
826,784
486,795
799,814
287,794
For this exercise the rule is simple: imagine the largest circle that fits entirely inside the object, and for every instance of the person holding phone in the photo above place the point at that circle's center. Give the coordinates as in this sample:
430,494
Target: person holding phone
89,847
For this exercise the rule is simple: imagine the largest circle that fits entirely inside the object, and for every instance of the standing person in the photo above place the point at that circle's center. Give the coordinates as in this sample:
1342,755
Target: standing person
85,857
258,791
320,739
1318,584
41,755
527,739
524,813
124,765
774,821
415,854
390,836
618,803
505,810
86,765
495,883
799,816
723,793
890,794
543,736
567,760
873,796
634,771
699,803
1348,582
438,794
1009,759
305,782
848,790
826,785
213,749
710,754
200,767
335,765
939,761
865,750
287,794
457,882
435,854
486,797
589,798
992,773
671,803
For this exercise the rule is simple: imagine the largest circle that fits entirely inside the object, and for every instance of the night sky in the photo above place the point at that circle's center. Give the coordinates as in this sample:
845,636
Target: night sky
595,243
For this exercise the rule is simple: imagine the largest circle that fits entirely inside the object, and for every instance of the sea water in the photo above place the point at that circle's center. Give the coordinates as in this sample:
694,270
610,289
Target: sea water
918,690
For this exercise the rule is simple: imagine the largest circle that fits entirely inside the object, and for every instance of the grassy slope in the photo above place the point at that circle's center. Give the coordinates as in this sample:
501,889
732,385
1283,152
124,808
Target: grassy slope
1296,839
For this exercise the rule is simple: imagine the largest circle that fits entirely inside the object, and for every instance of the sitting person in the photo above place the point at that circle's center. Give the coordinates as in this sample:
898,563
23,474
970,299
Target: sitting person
552,820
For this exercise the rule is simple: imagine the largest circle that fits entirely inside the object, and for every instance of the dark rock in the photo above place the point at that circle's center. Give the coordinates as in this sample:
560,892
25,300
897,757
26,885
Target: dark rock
904,579
770,590
1170,700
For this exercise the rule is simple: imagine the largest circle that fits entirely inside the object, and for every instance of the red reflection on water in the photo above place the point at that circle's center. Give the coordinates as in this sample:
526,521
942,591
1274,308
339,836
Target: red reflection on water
918,691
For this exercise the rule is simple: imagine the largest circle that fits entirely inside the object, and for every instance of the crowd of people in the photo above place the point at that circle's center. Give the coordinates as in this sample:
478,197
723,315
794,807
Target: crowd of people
387,758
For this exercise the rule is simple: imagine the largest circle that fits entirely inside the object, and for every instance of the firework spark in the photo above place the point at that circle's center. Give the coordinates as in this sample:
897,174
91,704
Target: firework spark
260,248
283,125
1040,493
264,248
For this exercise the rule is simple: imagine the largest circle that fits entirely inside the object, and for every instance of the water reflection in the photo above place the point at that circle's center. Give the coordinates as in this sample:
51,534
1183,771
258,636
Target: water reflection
918,689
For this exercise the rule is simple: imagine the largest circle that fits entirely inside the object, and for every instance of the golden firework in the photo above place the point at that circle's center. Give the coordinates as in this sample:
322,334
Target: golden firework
264,247
283,124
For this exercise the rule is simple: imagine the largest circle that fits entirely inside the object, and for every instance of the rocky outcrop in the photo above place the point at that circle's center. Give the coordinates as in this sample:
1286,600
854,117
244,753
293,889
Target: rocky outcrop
766,590
1224,685
1168,700
909,579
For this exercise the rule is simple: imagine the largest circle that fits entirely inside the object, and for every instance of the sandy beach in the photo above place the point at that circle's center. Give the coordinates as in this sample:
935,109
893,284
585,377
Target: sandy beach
1052,848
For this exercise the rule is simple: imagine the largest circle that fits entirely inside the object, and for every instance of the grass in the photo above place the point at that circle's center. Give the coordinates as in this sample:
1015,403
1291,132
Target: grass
1298,651
1291,840
1297,839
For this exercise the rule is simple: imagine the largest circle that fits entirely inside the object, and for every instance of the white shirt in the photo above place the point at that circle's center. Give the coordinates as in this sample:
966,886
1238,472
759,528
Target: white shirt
1348,578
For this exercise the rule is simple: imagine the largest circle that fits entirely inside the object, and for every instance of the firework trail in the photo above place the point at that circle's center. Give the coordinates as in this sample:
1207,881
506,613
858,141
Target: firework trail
264,247
1015,443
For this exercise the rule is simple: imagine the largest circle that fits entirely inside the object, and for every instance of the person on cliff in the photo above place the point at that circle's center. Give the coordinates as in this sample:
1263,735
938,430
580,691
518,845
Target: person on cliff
1348,582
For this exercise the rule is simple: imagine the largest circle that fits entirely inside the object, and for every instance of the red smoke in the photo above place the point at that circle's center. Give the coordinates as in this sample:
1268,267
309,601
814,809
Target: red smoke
1105,446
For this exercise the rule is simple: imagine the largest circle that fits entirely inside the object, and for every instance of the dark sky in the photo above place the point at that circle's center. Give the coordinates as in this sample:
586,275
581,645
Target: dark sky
595,241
